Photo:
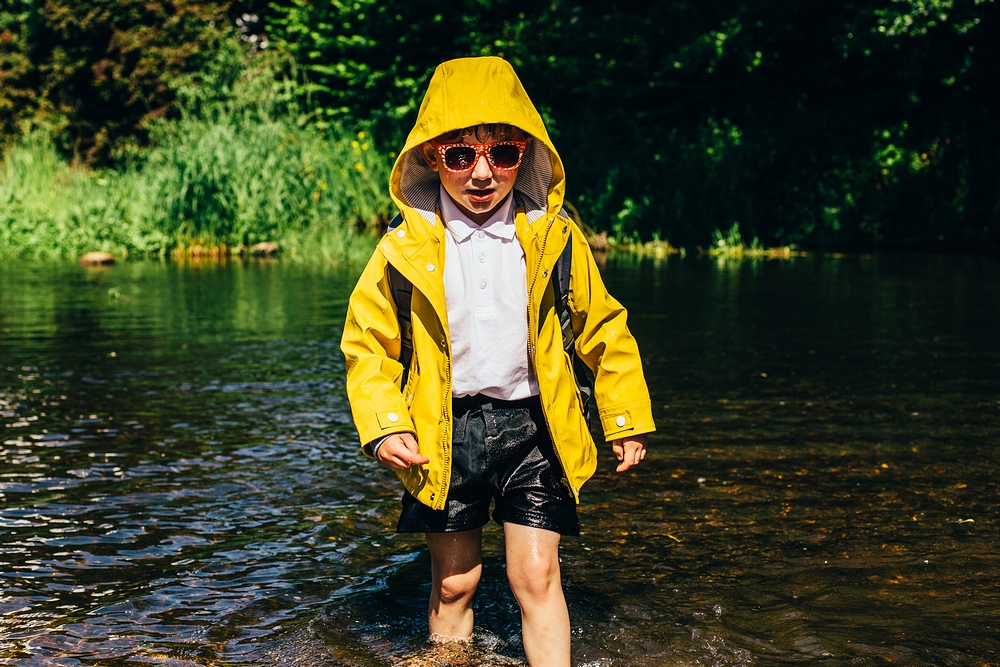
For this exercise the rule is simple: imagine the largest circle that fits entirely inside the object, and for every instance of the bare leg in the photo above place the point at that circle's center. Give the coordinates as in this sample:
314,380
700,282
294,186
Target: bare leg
456,565
533,572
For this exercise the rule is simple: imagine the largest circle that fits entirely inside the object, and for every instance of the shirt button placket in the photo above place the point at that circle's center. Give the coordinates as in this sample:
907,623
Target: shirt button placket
480,271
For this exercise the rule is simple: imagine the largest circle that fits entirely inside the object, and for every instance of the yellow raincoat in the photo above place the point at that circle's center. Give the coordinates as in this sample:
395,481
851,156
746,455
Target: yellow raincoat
464,93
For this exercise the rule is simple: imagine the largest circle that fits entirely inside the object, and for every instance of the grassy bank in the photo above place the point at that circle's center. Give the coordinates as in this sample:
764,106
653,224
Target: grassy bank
242,164
220,182
212,183
229,173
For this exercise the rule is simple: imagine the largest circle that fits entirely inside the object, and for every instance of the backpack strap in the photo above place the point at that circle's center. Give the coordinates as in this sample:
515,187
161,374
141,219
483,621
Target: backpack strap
402,296
560,282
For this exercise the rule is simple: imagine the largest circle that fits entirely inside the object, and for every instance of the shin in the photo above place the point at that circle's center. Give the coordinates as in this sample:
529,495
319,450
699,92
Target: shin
456,565
533,572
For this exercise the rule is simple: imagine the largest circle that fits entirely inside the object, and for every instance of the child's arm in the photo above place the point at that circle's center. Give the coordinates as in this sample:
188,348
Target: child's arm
606,345
371,346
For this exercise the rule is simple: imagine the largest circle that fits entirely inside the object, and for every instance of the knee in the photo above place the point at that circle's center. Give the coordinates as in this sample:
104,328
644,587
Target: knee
534,577
453,588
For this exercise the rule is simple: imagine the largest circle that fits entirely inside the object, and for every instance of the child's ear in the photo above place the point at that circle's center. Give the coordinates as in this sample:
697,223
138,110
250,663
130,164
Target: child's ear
430,154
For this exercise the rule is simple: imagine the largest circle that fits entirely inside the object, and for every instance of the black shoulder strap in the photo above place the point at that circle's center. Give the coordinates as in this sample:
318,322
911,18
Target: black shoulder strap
560,282
402,296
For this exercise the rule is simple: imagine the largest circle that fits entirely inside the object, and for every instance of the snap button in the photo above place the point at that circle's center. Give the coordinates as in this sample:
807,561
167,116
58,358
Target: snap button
482,259
433,495
482,285
619,422
481,234
401,233
393,417
430,267
545,273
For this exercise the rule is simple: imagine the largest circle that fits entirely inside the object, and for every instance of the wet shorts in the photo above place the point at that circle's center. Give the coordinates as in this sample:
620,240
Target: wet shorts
502,452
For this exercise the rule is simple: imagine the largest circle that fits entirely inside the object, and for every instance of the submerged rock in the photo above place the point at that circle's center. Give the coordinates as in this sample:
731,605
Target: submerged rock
97,259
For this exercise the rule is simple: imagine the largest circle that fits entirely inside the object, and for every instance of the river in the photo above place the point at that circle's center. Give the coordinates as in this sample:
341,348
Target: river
180,482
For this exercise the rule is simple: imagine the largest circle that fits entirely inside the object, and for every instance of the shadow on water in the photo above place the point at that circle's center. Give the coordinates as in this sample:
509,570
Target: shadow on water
180,482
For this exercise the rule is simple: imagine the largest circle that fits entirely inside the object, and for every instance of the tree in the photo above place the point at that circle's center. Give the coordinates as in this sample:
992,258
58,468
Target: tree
96,73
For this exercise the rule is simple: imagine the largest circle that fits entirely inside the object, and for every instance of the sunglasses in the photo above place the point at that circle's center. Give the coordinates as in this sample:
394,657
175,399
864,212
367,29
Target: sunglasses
500,154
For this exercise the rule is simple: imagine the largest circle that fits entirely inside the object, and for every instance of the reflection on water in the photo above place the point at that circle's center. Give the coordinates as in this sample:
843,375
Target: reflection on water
180,482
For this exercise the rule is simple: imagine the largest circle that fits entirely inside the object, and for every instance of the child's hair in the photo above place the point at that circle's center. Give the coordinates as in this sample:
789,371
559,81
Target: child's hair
500,131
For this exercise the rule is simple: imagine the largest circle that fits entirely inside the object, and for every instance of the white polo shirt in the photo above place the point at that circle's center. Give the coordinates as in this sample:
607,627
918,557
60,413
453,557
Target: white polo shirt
486,291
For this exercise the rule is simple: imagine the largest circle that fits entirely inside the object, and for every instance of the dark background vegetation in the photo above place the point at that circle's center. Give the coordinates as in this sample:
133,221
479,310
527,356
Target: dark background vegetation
828,124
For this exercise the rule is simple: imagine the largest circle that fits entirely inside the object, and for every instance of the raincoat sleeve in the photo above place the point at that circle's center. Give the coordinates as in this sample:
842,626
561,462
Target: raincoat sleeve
605,344
371,347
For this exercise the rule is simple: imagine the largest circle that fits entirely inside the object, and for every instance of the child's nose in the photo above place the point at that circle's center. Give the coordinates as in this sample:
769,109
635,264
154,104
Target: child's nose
482,170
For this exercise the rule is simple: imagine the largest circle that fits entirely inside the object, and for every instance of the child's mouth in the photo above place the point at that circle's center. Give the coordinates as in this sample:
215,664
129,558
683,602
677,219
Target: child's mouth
480,195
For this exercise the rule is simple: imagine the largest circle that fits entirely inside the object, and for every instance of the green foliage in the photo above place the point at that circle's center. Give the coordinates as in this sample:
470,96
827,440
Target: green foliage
49,209
676,117
834,124
93,73
732,243
231,171
238,178
372,59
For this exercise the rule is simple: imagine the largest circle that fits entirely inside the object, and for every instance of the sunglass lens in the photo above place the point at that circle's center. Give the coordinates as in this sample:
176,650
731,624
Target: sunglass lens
505,156
460,158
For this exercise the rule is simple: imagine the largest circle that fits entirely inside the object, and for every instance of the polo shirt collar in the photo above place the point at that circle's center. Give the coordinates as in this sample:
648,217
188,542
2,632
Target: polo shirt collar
500,225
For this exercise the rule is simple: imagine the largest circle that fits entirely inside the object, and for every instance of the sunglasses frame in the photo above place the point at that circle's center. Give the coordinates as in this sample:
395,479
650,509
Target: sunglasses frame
481,151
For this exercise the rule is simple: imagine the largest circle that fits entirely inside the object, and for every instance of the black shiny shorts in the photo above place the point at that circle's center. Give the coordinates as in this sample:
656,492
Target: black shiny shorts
502,451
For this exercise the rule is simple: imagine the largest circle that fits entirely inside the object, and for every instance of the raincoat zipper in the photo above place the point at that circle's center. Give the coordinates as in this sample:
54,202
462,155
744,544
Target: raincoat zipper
446,416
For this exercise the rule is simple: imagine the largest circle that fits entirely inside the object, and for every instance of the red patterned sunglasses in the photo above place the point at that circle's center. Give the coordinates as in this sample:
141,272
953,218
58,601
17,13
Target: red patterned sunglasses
500,154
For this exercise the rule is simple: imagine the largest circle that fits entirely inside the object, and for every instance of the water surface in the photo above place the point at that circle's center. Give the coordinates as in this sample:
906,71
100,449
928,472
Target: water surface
180,482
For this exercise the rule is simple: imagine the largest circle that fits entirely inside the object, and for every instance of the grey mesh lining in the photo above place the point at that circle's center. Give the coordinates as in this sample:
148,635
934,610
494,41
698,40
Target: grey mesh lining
419,184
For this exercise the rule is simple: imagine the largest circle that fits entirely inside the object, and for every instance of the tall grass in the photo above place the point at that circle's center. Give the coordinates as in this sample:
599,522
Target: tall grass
732,245
49,209
232,171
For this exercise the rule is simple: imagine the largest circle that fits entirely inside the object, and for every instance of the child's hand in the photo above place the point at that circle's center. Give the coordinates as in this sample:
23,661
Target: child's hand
629,451
400,451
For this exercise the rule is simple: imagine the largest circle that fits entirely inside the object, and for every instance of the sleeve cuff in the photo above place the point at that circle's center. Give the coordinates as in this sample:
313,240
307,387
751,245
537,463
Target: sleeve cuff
628,419
374,448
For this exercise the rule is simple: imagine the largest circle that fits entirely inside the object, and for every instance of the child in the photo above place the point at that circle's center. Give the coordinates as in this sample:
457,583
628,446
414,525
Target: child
488,407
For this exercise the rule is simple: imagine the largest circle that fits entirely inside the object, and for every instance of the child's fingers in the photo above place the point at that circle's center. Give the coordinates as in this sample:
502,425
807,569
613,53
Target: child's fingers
412,451
414,458
403,460
632,456
400,452
629,451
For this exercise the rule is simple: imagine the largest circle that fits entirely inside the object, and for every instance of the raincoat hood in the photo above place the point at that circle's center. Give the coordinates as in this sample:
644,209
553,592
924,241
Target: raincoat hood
471,91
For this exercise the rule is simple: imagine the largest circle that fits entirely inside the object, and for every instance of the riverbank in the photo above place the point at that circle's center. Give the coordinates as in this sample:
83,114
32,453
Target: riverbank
232,180
211,183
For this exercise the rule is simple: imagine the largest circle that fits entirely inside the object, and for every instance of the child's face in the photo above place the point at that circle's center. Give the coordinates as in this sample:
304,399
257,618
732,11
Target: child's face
480,189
